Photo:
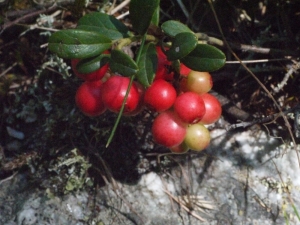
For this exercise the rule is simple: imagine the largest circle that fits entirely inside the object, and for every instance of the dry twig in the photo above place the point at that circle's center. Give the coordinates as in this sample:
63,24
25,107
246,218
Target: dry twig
198,202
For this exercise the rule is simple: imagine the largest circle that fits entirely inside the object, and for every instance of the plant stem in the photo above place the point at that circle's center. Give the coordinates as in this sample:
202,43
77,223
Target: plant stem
112,134
127,41
140,49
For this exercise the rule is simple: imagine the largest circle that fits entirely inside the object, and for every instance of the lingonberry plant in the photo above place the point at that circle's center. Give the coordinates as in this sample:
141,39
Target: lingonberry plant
170,65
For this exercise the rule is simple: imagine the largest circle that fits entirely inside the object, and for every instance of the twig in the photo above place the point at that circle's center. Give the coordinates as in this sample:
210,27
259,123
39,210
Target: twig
8,69
41,21
8,178
243,47
119,7
35,26
112,6
257,61
248,124
130,206
184,207
107,171
192,12
122,15
183,8
261,120
284,81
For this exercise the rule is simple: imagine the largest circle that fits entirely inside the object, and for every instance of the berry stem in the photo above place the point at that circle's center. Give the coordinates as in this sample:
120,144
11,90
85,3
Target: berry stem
127,41
112,134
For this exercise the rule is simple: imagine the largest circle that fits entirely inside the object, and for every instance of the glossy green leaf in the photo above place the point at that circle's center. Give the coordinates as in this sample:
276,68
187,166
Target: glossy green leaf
141,13
205,58
173,27
121,63
104,24
79,44
92,64
182,45
147,65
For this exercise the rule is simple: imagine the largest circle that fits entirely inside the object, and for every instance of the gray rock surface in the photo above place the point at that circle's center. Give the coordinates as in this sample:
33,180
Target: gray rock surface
234,182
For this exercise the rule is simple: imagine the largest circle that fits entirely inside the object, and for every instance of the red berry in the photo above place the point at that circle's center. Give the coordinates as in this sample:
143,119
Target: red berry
213,109
160,96
114,91
168,129
184,70
88,98
141,104
189,107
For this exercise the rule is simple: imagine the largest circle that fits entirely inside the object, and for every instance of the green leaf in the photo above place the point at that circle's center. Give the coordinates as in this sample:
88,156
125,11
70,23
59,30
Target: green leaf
147,65
79,44
141,13
92,64
103,24
205,58
155,17
173,27
182,45
121,63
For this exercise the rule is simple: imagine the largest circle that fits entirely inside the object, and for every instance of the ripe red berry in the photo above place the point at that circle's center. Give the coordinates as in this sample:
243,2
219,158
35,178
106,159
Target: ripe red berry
141,104
213,109
189,107
88,98
168,129
114,91
160,96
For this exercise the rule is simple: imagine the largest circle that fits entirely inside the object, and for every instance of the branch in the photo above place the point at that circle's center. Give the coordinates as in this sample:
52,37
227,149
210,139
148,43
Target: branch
250,48
269,118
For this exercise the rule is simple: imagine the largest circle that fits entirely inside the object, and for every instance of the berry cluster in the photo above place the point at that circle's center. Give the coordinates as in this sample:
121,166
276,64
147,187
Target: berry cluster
183,111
